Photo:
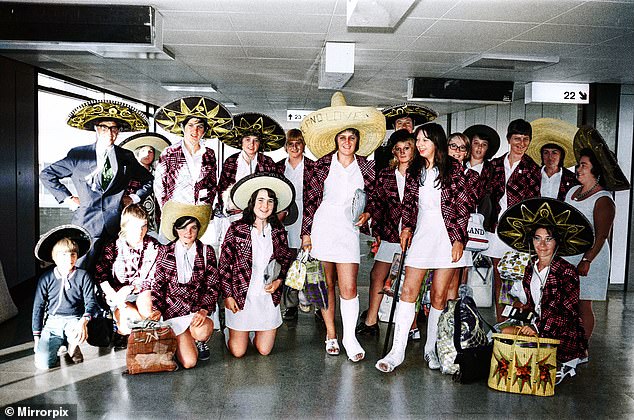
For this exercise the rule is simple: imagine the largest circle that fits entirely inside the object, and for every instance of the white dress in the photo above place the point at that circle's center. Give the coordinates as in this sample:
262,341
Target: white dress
296,176
259,312
594,286
334,236
431,246
387,250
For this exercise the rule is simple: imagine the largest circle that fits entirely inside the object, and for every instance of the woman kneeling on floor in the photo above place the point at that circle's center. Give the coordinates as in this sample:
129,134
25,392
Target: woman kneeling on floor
253,263
184,290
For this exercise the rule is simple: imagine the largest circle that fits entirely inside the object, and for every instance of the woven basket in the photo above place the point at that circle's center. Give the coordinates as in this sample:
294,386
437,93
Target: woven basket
523,365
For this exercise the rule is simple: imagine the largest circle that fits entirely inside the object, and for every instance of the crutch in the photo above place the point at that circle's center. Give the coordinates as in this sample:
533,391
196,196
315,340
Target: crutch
396,287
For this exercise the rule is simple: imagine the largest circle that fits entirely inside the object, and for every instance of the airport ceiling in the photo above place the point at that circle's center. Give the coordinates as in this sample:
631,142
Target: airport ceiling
264,55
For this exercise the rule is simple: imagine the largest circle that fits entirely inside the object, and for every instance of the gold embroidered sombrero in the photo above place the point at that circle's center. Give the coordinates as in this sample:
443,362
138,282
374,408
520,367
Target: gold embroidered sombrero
269,131
321,127
87,114
552,131
419,114
171,115
573,230
44,247
283,188
488,132
172,210
588,137
157,141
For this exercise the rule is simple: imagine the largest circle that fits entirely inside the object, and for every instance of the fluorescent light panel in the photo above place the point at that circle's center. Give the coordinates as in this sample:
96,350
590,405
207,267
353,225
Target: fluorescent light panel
189,87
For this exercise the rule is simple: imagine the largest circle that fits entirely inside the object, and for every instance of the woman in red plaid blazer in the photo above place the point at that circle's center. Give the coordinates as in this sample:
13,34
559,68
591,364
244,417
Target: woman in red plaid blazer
439,226
328,199
251,299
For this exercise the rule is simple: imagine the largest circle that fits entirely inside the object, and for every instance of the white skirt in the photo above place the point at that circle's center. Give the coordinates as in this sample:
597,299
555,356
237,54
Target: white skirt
431,247
259,313
181,323
386,252
334,236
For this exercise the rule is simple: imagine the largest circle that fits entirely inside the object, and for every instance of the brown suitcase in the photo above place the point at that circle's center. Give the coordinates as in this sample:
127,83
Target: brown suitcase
151,349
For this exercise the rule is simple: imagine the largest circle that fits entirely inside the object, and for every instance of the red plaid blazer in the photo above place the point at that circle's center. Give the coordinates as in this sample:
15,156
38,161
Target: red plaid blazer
174,299
230,167
478,183
105,269
308,167
568,180
236,260
560,317
172,160
388,209
314,189
525,182
455,204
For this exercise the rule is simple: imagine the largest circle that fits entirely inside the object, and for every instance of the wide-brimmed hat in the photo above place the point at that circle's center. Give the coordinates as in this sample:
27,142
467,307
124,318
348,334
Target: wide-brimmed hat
492,136
269,131
172,210
157,141
44,247
588,137
172,115
419,114
552,131
293,214
321,127
87,114
244,189
574,232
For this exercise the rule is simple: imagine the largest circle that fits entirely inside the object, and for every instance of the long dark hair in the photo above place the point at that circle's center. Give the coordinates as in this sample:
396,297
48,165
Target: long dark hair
248,216
437,135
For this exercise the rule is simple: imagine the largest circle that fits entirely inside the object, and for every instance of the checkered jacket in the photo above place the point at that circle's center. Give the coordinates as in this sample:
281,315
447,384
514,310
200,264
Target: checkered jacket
236,260
568,180
230,168
172,161
110,267
314,189
560,318
309,164
388,209
525,182
174,299
455,204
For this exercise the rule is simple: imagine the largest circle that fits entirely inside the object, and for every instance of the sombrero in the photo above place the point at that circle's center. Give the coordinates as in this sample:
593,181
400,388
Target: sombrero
574,231
157,141
44,246
171,115
172,210
419,114
269,131
588,137
86,114
490,133
293,214
552,131
243,189
320,127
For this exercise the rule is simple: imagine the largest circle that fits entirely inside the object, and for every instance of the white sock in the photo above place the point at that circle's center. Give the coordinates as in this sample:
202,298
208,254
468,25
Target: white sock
403,318
432,329
349,316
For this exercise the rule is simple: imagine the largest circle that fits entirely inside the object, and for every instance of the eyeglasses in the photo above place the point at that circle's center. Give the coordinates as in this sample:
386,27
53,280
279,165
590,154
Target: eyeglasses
454,146
103,128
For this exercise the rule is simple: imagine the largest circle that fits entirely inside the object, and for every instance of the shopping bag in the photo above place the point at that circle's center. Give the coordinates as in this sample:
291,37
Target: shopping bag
512,265
477,240
315,287
296,274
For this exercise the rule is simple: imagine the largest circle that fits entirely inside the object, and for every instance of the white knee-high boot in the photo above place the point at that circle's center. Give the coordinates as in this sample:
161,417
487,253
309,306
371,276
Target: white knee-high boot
405,312
349,316
432,330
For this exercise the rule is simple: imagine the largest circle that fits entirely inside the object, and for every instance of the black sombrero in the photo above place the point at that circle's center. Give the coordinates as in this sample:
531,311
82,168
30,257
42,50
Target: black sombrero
283,188
218,118
269,131
87,114
492,136
44,247
419,114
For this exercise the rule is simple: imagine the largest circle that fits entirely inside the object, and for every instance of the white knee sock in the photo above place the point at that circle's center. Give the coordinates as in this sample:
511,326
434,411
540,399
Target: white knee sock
349,316
403,318
432,329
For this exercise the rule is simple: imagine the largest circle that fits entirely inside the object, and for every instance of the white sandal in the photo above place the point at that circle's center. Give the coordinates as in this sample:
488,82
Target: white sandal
332,346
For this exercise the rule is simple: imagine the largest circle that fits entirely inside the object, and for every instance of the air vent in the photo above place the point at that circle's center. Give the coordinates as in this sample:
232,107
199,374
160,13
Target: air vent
510,63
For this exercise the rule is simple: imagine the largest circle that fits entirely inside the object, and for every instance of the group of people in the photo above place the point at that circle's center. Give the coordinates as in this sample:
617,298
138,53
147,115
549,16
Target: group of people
415,197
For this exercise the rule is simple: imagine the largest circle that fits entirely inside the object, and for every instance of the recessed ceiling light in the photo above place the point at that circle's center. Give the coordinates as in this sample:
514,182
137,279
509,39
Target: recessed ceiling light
230,105
189,87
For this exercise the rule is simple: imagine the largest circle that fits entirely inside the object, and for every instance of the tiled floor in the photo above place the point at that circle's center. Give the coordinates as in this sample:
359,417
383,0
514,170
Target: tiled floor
298,380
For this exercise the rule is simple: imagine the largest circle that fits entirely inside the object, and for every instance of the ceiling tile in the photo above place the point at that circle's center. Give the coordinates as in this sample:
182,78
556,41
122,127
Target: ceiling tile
194,37
571,34
433,9
280,52
473,44
477,29
614,14
536,11
196,20
285,39
316,24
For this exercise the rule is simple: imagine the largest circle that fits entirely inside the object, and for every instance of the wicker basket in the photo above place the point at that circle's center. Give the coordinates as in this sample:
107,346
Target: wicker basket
523,365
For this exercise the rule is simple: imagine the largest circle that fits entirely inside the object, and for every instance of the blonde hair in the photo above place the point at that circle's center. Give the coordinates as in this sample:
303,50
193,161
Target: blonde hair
393,164
64,245
133,211
465,139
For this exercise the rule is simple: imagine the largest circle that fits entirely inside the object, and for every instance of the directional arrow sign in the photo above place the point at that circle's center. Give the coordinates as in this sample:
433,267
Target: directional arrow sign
559,93
297,115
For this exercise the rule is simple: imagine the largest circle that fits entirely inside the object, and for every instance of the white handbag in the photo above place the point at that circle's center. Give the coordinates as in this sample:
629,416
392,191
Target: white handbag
477,240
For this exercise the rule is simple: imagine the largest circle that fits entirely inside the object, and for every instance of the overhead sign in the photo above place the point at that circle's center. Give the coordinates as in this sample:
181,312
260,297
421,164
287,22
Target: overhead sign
558,93
296,114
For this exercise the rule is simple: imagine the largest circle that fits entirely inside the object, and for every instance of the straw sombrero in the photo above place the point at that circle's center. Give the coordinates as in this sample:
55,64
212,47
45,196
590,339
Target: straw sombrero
588,137
269,131
87,114
489,133
157,141
44,246
551,130
172,210
171,115
575,232
321,127
419,114
244,189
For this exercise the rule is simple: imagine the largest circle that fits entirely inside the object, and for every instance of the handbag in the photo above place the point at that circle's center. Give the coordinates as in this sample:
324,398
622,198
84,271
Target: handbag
477,240
523,365
151,348
296,274
100,330
358,204
512,265
290,297
315,287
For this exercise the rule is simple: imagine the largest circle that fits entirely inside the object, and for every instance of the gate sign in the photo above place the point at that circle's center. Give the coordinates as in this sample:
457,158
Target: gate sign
297,115
558,93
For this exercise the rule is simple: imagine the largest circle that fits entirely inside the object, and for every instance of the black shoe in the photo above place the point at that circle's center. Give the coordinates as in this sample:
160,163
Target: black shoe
364,329
290,314
120,342
363,315
203,350
319,317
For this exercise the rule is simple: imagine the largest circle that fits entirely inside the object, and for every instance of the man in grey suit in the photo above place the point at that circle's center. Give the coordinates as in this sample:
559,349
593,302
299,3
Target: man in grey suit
101,173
